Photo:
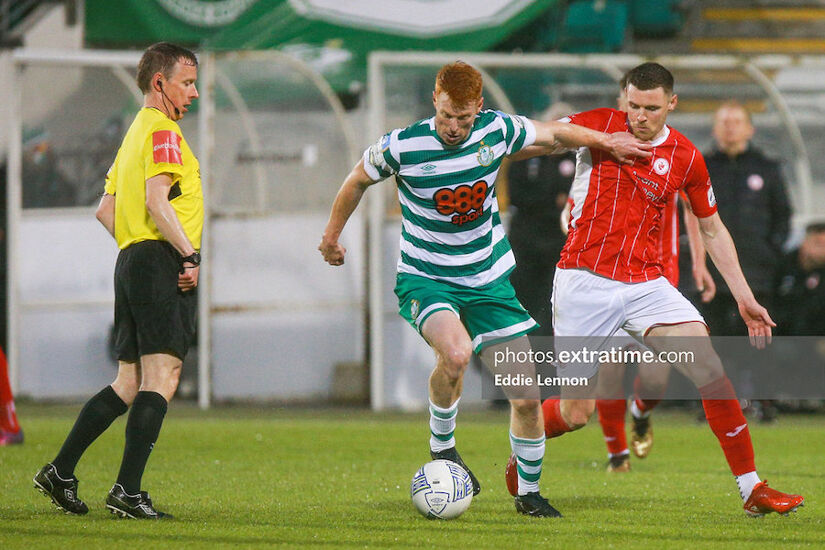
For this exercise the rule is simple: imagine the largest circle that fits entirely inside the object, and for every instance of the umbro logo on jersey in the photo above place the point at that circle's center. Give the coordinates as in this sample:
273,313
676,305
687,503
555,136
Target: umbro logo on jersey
428,168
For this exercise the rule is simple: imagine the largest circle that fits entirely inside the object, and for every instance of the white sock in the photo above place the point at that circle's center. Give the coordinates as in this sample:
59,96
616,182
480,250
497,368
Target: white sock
636,412
529,456
442,426
746,483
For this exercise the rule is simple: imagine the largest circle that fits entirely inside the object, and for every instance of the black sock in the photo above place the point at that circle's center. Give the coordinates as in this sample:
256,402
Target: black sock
96,416
142,429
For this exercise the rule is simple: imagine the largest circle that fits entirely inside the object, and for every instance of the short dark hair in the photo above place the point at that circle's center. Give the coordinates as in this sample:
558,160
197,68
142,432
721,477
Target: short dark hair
815,227
161,57
623,82
649,76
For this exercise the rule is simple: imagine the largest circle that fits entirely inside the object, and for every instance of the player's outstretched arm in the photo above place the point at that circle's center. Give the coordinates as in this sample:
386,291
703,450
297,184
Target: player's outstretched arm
534,151
347,199
563,135
719,245
105,213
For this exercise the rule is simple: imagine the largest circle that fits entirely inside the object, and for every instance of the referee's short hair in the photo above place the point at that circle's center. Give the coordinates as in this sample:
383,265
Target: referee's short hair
161,57
815,227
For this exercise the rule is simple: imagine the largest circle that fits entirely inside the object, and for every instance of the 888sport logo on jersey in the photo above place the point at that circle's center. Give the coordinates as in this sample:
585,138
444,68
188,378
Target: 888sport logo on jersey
464,203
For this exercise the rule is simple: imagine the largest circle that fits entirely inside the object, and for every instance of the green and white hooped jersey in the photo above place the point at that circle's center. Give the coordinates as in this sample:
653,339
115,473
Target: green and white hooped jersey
451,229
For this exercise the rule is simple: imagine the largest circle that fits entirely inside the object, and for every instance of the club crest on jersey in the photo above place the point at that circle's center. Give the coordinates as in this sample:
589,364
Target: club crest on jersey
755,182
485,154
661,166
415,307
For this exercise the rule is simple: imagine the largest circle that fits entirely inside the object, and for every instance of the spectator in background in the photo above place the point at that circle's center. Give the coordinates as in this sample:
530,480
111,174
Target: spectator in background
800,287
538,191
43,184
753,203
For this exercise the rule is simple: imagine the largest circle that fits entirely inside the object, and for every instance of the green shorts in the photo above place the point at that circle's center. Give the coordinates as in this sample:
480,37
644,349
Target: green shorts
490,315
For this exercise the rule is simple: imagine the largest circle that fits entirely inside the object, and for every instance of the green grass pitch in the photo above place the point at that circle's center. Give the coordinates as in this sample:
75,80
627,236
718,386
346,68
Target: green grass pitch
255,478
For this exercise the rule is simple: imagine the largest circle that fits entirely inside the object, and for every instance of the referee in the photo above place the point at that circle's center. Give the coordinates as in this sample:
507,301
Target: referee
153,207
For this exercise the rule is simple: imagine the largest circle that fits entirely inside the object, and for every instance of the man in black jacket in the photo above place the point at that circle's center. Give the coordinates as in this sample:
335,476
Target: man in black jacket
800,287
753,203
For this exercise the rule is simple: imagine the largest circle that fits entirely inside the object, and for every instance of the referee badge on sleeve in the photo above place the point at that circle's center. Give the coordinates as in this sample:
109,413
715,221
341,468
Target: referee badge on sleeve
166,147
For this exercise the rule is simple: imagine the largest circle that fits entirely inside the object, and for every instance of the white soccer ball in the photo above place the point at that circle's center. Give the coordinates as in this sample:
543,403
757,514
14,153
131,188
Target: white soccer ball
441,489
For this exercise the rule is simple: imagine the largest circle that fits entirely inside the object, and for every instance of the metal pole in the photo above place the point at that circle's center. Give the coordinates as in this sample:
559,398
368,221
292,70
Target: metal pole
206,126
375,225
14,204
802,163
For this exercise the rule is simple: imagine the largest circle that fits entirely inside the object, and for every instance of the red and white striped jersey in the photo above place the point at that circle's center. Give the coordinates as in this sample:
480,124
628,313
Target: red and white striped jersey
669,241
616,226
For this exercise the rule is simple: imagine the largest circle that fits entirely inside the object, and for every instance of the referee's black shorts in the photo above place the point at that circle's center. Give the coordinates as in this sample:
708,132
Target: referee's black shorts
151,314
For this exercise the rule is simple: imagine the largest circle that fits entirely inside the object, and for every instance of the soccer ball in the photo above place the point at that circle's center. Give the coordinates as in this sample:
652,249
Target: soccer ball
441,489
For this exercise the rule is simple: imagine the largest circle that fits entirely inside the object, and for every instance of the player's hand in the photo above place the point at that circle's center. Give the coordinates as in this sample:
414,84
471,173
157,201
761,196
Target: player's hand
188,280
332,252
704,283
759,322
627,148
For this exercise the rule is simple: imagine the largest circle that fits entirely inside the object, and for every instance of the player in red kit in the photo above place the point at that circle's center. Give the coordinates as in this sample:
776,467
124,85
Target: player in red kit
610,275
650,382
10,431
651,379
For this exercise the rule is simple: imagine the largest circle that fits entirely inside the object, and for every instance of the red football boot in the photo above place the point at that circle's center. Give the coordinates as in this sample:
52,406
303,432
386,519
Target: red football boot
511,475
11,438
764,500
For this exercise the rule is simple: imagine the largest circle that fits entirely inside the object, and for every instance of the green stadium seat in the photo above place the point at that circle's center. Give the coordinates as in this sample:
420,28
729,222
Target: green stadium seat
656,18
594,26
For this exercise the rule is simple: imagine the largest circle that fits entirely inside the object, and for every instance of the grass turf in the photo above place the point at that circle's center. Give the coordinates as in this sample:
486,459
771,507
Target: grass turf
252,478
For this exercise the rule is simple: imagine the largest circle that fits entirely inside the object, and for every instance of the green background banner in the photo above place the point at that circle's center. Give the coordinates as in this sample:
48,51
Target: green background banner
355,25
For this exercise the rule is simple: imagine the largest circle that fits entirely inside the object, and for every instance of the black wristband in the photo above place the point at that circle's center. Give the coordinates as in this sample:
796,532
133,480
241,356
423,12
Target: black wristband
194,258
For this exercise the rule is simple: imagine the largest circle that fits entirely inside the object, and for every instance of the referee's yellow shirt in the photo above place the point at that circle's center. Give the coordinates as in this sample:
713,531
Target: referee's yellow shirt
154,145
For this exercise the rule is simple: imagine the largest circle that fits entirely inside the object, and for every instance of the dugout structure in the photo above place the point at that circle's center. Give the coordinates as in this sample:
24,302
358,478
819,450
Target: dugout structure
273,141
784,94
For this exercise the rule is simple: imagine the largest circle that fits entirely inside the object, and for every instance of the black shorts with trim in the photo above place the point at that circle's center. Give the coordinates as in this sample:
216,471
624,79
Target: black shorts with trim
151,314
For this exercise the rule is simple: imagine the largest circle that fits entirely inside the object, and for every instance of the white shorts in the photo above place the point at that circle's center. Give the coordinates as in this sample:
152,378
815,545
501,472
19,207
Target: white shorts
589,309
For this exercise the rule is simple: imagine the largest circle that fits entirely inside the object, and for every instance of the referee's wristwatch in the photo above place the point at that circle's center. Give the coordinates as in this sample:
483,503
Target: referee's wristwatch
194,258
